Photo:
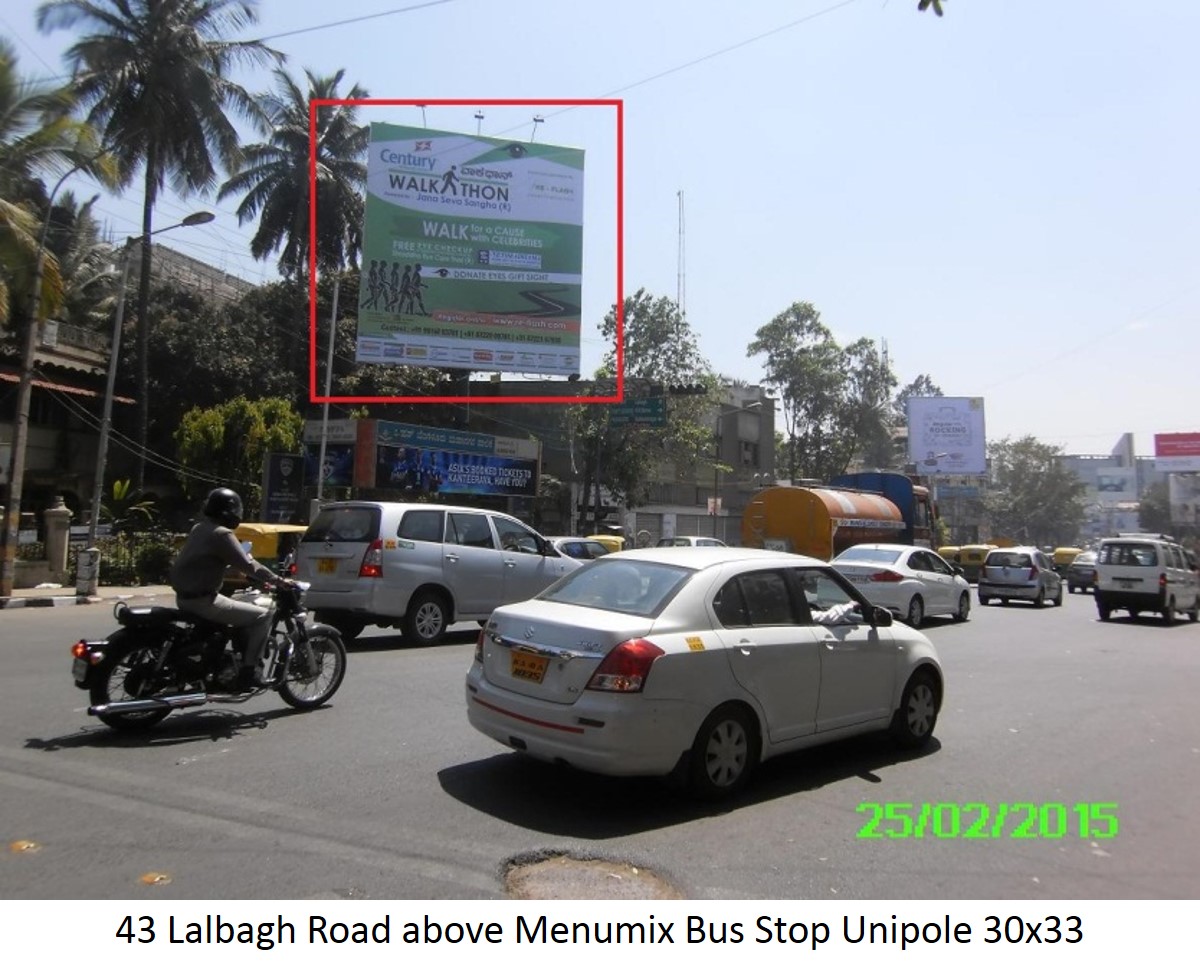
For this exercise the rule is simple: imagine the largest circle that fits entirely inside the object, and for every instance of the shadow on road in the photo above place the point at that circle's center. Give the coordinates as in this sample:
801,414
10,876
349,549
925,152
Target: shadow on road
559,800
207,724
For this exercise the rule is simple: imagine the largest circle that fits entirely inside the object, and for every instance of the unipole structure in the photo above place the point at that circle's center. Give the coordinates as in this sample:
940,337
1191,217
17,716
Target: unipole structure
337,282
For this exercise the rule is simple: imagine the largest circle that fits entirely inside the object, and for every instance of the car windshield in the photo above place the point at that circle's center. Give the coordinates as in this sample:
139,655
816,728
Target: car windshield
1128,553
634,587
885,556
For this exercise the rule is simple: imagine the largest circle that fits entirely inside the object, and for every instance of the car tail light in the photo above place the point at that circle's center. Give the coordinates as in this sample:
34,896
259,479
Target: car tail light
479,648
372,563
626,667
1162,582
1033,574
80,650
292,569
887,576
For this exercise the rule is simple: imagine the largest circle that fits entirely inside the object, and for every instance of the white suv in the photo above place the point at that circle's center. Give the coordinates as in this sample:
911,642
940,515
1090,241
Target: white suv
420,566
1146,572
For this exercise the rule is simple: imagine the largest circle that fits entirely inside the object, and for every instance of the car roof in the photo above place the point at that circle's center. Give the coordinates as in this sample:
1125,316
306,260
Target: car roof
707,557
414,505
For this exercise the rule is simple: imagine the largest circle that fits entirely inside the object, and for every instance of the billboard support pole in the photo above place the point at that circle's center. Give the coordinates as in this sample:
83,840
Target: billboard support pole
337,282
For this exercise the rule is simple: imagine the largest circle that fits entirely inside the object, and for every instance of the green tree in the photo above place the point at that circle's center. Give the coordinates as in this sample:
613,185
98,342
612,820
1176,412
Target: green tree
1032,497
659,345
1154,510
37,137
835,400
228,442
275,177
152,76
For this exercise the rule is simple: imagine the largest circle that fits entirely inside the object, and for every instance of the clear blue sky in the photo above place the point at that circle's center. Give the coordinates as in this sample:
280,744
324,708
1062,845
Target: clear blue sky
1008,195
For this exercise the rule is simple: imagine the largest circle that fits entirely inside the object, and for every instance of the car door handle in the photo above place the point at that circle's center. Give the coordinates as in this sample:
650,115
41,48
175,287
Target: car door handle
510,562
452,558
745,647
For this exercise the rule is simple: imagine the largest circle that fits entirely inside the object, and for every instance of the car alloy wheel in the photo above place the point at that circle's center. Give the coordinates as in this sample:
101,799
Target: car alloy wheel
917,715
724,752
916,612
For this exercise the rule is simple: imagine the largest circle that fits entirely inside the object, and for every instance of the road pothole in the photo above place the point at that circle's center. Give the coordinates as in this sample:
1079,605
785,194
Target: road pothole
562,876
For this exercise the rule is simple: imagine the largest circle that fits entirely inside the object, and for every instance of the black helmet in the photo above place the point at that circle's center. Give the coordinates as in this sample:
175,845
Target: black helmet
225,507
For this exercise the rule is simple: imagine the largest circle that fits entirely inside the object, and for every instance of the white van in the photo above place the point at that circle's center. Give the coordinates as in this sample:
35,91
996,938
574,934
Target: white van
1141,572
420,566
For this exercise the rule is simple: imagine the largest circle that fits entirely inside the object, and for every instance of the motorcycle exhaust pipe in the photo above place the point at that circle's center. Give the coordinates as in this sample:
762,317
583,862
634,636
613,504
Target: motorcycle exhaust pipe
169,701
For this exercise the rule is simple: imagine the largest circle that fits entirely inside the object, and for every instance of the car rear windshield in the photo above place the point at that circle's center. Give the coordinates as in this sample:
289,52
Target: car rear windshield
1128,553
887,556
1009,559
344,524
633,587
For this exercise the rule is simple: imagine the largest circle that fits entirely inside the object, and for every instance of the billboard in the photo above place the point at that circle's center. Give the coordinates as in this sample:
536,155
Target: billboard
1116,484
418,458
1177,452
1183,491
472,253
337,467
946,435
283,488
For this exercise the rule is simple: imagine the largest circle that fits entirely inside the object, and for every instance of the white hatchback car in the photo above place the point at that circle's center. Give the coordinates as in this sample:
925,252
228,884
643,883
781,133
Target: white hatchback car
912,582
698,662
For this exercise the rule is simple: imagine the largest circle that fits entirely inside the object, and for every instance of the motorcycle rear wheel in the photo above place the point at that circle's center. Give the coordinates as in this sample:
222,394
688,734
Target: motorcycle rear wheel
305,689
121,676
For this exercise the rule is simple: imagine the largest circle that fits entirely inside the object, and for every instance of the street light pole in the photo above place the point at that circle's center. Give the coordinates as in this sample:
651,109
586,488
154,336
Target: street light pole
199,218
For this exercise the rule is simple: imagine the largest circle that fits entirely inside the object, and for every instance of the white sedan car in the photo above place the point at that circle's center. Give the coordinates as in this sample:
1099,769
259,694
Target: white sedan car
698,662
912,582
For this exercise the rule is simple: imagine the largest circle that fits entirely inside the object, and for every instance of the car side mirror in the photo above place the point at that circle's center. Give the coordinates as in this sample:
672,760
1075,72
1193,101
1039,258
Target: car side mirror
880,617
958,570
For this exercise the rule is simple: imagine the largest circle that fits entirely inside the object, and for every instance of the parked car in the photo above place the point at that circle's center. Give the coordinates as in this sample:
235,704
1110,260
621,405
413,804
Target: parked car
582,549
690,541
420,566
1141,572
912,582
1081,572
698,662
1019,573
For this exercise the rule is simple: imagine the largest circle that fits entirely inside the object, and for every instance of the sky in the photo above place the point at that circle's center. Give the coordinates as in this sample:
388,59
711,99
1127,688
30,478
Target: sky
1008,196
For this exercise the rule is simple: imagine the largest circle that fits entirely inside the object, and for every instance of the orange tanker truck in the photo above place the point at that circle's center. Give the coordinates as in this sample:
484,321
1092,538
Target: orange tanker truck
819,521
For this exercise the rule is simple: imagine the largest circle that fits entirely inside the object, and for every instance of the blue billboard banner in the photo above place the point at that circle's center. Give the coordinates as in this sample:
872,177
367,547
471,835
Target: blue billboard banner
338,465
417,469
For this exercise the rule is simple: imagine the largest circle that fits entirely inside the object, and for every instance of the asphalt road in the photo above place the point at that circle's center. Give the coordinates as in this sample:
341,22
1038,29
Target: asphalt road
387,793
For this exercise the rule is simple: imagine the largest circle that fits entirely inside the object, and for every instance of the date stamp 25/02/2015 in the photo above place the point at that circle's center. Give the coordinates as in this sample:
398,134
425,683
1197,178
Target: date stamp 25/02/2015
988,821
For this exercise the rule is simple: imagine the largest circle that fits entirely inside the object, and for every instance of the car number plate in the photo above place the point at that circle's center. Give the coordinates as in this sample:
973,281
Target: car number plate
79,669
327,566
528,666
1126,584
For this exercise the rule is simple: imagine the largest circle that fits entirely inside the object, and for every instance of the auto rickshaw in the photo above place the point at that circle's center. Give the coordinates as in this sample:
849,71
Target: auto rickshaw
268,544
971,557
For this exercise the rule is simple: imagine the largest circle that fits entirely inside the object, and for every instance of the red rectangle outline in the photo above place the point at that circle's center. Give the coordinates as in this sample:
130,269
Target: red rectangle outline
313,105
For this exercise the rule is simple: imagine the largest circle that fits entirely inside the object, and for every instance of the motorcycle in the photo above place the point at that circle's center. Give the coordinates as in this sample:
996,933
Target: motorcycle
161,660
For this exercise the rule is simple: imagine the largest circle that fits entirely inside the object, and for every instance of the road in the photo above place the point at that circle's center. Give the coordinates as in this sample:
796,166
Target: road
387,793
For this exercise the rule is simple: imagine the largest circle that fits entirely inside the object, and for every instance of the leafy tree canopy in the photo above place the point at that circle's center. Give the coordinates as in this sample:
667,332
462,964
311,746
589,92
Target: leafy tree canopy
1033,498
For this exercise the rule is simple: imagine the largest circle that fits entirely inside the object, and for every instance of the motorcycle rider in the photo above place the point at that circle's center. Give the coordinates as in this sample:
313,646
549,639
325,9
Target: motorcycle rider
199,570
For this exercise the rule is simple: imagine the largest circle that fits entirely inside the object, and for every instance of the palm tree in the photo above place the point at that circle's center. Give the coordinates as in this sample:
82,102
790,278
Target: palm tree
37,137
275,177
152,77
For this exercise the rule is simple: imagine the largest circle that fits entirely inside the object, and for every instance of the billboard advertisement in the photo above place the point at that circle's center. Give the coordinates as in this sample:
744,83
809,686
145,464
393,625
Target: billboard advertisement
337,468
1177,452
472,253
283,488
946,435
1116,484
421,459
1183,491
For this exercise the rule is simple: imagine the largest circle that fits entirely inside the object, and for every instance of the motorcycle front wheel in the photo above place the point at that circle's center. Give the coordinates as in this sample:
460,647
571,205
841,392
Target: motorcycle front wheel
313,676
126,674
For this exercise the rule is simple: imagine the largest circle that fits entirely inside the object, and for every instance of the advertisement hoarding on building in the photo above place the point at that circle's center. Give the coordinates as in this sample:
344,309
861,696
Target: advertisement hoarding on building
1116,484
418,458
1183,491
1177,452
946,435
472,253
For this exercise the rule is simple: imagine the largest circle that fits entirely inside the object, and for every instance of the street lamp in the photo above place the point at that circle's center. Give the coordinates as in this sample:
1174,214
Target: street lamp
717,459
198,218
